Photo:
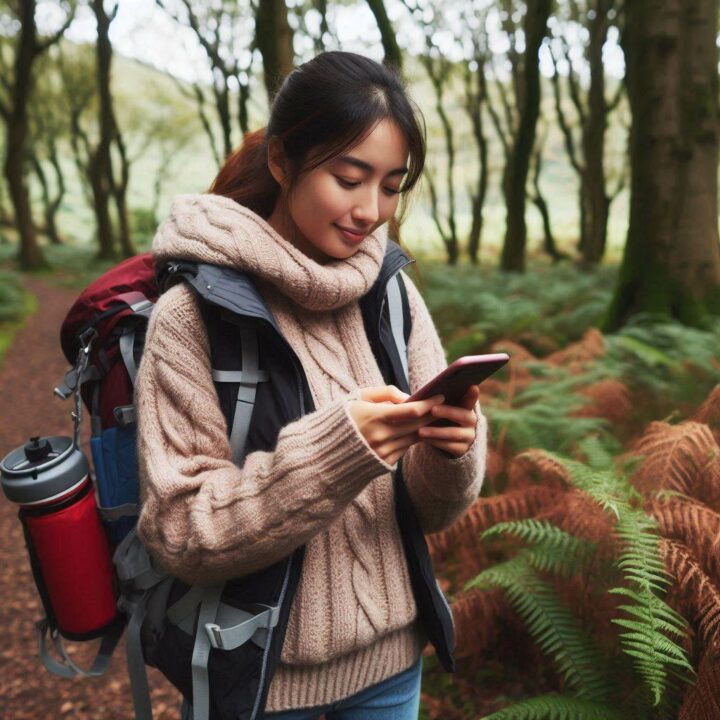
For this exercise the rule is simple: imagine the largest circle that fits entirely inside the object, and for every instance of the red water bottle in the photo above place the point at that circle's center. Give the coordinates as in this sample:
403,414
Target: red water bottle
69,553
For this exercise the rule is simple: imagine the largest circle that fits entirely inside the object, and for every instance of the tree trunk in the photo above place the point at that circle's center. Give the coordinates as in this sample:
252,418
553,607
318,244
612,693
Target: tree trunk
393,55
30,255
50,204
671,263
595,202
518,165
274,39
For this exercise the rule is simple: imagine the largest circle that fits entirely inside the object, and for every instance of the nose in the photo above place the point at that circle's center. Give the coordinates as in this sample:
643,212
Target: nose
367,210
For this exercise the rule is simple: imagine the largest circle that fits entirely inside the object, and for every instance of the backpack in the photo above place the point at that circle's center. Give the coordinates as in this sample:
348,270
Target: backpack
103,338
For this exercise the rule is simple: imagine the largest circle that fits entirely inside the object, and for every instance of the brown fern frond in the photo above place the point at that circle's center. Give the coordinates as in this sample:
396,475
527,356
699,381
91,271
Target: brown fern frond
486,512
477,614
534,467
590,347
694,595
681,457
709,412
494,464
702,700
579,515
694,525
609,399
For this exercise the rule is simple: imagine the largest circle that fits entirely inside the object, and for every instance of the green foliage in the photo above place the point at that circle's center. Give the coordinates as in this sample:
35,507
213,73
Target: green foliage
545,309
15,305
558,707
645,579
651,630
665,358
551,549
551,624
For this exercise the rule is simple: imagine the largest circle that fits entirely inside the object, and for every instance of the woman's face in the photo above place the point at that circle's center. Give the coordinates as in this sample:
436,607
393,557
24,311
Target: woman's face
357,191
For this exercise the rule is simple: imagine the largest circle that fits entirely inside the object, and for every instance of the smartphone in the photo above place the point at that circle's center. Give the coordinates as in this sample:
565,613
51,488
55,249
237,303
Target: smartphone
457,377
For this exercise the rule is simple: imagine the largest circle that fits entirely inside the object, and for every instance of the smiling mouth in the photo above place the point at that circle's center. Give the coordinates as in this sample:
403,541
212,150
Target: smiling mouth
350,234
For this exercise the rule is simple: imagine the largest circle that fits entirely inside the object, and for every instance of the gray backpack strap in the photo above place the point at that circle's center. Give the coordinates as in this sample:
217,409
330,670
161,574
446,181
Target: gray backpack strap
248,379
245,626
67,668
127,345
201,651
138,579
397,320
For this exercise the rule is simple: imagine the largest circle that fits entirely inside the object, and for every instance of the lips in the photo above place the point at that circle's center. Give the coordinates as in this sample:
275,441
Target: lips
351,235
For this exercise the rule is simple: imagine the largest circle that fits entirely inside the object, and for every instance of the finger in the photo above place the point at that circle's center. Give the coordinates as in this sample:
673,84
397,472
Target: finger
397,449
449,434
412,410
383,393
462,416
456,449
471,397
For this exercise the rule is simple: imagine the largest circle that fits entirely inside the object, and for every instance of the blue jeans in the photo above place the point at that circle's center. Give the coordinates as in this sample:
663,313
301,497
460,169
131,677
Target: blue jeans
397,698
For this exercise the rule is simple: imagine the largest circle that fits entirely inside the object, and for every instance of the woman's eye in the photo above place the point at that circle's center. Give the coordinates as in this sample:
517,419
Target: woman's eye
346,183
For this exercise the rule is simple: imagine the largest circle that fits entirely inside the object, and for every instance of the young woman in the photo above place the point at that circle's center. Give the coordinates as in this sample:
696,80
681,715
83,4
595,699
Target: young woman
303,208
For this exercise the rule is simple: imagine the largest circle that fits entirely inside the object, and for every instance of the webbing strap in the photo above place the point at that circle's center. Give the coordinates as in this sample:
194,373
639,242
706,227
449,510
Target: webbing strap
229,638
187,604
127,343
71,381
248,379
201,652
397,321
67,668
135,660
110,514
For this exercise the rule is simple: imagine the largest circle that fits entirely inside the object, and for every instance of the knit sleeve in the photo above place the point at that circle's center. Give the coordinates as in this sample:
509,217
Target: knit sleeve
204,518
441,486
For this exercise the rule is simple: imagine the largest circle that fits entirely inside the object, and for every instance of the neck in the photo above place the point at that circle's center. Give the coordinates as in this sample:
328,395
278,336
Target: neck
283,224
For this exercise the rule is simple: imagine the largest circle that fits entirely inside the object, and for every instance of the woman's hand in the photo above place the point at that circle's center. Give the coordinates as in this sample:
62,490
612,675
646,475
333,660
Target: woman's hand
454,439
388,424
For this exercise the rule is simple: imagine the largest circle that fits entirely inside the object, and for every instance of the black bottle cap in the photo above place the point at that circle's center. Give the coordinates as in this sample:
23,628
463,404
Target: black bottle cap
37,449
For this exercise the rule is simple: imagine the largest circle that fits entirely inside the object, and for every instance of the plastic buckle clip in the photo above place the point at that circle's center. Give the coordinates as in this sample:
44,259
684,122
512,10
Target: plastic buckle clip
213,631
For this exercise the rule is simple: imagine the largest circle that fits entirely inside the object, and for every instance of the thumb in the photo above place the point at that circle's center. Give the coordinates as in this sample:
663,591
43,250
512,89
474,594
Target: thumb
471,397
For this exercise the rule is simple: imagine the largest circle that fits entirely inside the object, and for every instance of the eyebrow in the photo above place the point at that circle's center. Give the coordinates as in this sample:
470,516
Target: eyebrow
366,166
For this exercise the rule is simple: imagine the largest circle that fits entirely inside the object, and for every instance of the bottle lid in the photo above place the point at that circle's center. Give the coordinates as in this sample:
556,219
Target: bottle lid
43,470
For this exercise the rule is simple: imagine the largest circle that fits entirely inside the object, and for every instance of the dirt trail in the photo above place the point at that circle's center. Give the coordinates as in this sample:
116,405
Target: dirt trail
32,367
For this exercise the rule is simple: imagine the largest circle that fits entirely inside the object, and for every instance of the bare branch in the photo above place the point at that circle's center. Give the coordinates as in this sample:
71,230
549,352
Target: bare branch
41,47
562,119
573,85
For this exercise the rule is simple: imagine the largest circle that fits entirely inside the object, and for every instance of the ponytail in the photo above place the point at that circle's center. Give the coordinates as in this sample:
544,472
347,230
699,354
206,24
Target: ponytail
246,178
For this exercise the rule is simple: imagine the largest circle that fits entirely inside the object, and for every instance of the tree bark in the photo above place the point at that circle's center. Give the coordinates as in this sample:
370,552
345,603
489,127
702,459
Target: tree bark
109,132
671,263
30,255
393,54
596,204
274,39
474,101
518,165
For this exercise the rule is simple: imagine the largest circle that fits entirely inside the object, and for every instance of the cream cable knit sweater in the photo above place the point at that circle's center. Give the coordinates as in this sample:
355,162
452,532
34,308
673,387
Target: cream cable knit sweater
352,623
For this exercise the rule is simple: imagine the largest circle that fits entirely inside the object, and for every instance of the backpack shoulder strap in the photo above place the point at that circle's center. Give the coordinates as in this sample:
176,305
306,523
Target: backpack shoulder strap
399,310
247,377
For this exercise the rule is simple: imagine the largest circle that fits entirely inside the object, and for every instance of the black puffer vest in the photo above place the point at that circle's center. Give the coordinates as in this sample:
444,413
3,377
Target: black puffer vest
240,678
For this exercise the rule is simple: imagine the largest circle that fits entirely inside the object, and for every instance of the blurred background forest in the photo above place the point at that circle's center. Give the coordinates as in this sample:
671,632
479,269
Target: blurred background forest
568,215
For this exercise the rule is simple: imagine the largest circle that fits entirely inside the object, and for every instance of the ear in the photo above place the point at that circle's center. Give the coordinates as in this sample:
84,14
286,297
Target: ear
276,161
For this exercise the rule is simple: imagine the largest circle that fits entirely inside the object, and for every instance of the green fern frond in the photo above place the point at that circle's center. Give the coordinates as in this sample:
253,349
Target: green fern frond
551,550
648,637
551,624
558,707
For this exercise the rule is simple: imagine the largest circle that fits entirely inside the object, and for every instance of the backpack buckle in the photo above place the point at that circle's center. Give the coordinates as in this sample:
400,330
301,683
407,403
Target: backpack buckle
213,631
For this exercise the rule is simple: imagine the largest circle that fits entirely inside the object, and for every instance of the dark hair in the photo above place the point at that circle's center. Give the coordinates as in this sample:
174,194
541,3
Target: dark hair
324,107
